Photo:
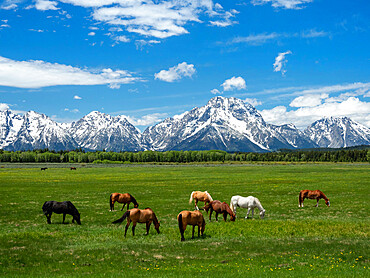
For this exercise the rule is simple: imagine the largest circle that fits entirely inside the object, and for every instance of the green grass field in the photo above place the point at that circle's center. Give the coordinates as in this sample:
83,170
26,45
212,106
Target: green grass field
290,241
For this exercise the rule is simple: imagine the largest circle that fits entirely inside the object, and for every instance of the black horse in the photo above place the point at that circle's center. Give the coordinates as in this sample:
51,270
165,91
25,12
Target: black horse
65,207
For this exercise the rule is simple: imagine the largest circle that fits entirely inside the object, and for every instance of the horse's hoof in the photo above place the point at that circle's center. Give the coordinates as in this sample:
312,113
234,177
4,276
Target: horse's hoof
183,239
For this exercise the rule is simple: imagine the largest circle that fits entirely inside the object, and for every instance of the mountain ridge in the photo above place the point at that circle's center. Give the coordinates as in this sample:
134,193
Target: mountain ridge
227,124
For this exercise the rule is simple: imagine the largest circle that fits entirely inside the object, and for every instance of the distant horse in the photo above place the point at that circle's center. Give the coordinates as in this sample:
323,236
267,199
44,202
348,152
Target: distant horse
43,169
125,198
139,215
219,207
200,196
194,218
312,194
249,202
65,207
73,168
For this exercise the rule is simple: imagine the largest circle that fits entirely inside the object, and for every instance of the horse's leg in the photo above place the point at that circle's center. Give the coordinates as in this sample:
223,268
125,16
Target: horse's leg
128,206
198,230
317,204
64,217
133,228
248,213
193,232
127,225
225,216
123,206
216,216
196,204
210,213
252,212
148,227
48,217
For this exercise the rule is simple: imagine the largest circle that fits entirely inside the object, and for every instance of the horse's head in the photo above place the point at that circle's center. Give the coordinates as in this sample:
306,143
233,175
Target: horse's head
136,205
206,207
77,218
232,217
262,214
327,202
156,226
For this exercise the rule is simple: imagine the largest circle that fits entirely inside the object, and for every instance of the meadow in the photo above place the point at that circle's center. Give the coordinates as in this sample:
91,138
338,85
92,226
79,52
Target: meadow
290,242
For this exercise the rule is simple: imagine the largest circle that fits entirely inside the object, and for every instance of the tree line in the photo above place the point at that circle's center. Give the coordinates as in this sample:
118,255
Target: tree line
81,156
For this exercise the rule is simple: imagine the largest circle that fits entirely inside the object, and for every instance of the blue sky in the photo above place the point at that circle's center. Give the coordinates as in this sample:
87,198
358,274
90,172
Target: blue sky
296,61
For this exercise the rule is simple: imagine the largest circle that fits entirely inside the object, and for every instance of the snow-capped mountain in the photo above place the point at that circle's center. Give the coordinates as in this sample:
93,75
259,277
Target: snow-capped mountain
33,131
226,124
338,132
98,131
223,123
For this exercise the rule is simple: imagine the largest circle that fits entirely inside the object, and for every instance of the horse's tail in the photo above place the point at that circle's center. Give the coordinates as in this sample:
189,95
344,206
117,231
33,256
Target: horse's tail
191,197
125,215
209,197
180,223
231,205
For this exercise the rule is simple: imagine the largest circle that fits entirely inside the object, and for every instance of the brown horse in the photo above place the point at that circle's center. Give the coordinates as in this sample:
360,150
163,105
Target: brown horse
139,216
200,196
73,168
124,198
219,207
312,194
194,218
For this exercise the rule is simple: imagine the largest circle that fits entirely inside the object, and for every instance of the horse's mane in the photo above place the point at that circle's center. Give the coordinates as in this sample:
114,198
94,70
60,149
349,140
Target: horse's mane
209,196
259,206
228,209
323,195
133,199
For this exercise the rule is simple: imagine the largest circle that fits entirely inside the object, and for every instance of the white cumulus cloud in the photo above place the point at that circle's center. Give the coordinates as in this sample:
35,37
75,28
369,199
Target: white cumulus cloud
234,83
280,61
38,74
175,73
351,107
4,106
44,5
215,92
77,97
253,101
308,100
286,4
146,120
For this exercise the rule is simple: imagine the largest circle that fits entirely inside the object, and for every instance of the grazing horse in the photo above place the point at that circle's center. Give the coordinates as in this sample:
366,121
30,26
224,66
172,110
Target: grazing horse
139,215
200,196
43,169
219,207
65,207
249,202
125,198
312,194
194,218
73,168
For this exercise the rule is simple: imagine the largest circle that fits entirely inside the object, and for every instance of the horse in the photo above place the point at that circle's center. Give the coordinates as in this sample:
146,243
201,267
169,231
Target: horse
312,194
43,169
249,202
73,168
125,198
219,207
136,215
200,196
194,218
65,207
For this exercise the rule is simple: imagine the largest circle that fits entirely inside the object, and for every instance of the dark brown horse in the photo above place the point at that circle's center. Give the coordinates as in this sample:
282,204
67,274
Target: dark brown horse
312,194
44,168
219,207
64,208
194,218
139,216
125,198
73,168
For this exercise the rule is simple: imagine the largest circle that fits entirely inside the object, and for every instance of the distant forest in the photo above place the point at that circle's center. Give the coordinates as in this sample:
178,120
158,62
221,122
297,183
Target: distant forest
355,154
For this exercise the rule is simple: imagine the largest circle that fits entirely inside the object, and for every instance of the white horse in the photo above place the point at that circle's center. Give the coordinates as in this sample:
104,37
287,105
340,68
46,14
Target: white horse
249,202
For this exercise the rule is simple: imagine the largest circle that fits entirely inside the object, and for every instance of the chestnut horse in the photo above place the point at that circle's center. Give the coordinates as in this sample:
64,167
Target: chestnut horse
312,194
139,216
193,218
219,207
200,196
124,198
